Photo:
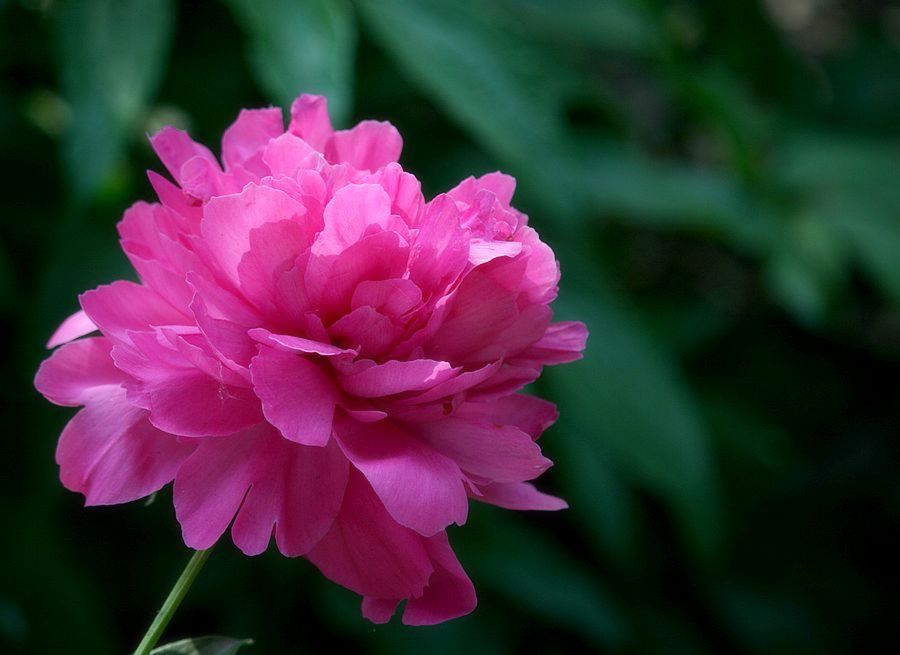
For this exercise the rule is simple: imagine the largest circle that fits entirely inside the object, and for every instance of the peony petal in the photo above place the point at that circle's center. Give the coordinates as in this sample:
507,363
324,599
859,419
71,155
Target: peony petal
122,306
193,404
368,146
394,297
500,453
283,498
228,220
518,496
420,488
455,385
500,184
372,381
441,249
352,211
274,284
249,134
77,372
368,552
310,121
211,484
561,343
366,331
76,325
379,610
484,304
183,399
481,251
290,343
111,454
229,340
404,190
297,395
449,593
529,414
284,154
174,148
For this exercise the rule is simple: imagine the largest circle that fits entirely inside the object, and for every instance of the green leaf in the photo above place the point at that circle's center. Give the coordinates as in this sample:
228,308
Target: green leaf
203,646
542,577
612,25
302,47
503,90
112,58
635,189
847,187
626,402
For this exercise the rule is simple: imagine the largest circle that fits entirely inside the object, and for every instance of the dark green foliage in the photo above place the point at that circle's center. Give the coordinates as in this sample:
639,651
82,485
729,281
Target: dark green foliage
721,184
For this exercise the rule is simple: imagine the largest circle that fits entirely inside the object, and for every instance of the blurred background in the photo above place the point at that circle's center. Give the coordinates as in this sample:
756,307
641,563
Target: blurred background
720,182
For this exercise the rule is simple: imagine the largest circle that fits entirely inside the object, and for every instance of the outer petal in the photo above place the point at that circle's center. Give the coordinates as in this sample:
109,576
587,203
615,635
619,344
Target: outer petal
175,148
271,481
297,396
111,453
529,414
310,121
422,489
77,372
561,343
211,484
297,493
368,146
518,496
76,325
501,453
248,135
123,306
500,184
449,593
368,552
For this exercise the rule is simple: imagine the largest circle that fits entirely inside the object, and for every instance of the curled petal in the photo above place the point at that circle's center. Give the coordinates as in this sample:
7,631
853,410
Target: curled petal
77,372
76,325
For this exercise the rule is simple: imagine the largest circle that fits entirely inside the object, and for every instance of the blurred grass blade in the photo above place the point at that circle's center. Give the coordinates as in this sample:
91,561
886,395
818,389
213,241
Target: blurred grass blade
203,646
626,401
112,56
302,47
542,577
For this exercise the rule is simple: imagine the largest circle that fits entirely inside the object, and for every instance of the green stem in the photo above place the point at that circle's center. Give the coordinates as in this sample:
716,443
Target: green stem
179,591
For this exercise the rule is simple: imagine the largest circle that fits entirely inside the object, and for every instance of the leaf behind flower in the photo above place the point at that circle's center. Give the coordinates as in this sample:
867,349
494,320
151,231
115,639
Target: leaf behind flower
212,645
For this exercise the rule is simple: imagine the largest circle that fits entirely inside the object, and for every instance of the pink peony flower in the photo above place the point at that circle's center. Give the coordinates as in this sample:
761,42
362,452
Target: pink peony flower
317,353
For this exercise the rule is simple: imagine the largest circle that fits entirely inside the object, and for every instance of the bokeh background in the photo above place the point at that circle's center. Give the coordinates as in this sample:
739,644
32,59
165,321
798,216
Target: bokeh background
720,182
